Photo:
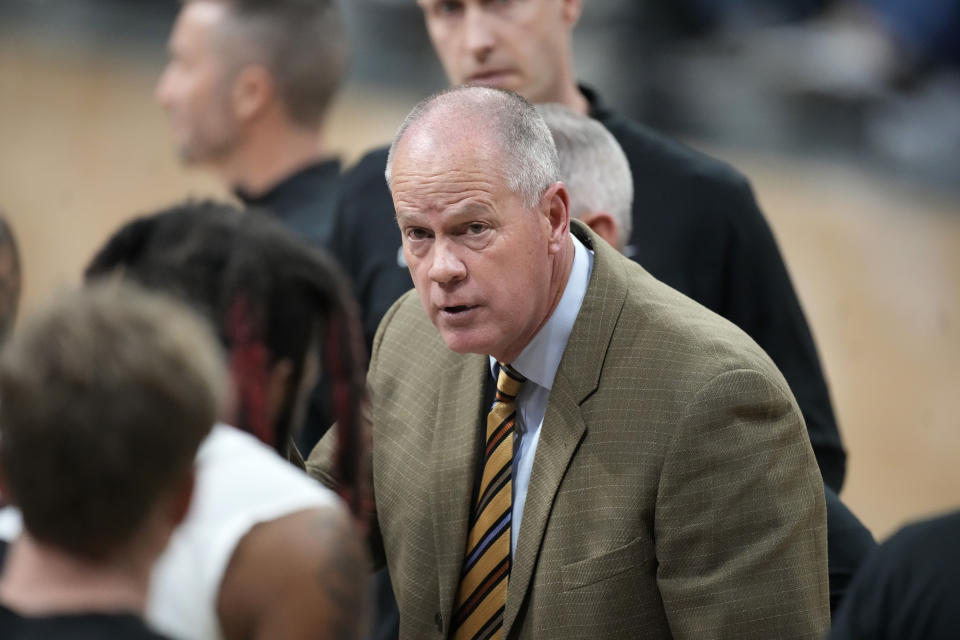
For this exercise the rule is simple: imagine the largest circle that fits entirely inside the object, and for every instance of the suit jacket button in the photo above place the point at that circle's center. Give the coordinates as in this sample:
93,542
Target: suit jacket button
438,620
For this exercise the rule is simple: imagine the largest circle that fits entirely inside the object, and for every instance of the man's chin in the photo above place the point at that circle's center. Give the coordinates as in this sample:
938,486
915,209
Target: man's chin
463,342
505,81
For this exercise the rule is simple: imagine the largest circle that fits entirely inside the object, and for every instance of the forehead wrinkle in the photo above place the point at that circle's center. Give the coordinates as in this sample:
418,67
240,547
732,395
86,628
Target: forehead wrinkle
451,202
443,189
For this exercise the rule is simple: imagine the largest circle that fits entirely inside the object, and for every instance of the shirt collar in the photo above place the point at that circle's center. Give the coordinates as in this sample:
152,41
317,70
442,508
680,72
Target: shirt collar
540,359
291,188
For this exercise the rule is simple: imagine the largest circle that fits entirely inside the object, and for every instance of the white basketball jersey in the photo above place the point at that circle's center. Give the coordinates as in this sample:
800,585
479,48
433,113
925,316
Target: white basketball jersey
240,482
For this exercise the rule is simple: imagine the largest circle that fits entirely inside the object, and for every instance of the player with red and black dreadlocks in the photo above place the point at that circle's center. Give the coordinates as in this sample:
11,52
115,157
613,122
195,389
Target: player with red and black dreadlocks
269,546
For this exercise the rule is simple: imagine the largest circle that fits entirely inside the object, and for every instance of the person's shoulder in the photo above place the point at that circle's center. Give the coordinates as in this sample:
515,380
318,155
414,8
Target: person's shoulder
930,543
907,587
232,462
405,317
366,206
296,573
140,631
9,621
661,320
652,151
368,169
75,626
406,336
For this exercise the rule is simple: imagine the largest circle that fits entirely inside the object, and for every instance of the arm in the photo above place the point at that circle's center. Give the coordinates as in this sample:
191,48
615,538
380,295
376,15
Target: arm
761,300
320,467
300,576
740,522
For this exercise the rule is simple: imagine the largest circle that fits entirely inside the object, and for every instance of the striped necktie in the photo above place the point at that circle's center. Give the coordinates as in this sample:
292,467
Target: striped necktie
482,595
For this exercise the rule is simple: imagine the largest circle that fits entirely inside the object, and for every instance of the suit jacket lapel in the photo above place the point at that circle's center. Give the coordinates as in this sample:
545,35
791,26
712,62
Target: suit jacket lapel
563,426
453,460
554,451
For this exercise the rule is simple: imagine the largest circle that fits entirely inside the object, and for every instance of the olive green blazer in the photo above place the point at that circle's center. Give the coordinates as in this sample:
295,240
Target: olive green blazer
674,492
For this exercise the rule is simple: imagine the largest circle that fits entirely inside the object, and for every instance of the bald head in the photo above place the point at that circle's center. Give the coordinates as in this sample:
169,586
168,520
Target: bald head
498,122
595,170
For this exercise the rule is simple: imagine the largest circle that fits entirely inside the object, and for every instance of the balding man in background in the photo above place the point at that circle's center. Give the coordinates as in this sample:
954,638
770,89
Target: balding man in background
640,467
247,88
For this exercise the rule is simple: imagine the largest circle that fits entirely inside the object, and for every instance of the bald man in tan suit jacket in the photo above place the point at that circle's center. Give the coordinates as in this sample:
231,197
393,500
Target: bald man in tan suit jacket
673,491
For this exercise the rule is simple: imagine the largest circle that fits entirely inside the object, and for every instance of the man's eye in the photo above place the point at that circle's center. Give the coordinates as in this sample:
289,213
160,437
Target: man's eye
476,228
417,234
448,8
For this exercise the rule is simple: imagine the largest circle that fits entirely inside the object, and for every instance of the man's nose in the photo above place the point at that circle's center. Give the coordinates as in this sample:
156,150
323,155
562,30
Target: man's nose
446,266
480,33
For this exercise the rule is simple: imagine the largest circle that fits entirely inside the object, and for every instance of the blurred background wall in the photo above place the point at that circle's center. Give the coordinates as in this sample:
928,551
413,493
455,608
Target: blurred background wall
844,114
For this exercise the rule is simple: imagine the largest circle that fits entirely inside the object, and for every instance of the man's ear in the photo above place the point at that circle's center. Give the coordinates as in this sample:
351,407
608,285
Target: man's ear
556,206
571,11
253,89
182,497
605,226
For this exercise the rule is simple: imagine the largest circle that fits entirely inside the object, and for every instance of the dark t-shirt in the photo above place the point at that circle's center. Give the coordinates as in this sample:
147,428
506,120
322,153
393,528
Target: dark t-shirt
909,588
306,202
74,626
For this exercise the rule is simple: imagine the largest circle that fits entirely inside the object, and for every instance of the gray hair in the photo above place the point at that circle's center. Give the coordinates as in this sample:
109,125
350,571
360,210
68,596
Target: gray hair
531,164
592,165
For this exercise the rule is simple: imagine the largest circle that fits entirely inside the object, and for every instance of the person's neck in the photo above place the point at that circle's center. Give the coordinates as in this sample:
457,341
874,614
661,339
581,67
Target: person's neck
564,90
40,580
269,158
572,98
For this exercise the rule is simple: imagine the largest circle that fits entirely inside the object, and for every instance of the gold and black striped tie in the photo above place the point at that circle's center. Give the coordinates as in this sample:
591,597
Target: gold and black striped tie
486,569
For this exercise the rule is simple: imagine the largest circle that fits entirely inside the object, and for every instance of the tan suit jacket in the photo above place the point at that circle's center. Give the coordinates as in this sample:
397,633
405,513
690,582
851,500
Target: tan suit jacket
674,492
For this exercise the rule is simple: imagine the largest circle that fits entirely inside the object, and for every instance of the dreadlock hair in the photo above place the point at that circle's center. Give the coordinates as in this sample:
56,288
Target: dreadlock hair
268,296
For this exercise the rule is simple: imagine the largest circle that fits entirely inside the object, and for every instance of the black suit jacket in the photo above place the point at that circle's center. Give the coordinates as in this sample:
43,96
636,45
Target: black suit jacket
696,227
849,544
909,588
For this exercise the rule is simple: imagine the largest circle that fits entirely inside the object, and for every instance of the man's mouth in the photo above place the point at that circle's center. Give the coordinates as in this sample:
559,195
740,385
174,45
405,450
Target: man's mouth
489,77
457,309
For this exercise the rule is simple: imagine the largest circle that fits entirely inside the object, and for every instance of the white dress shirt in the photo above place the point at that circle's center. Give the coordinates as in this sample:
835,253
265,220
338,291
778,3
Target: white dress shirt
538,363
